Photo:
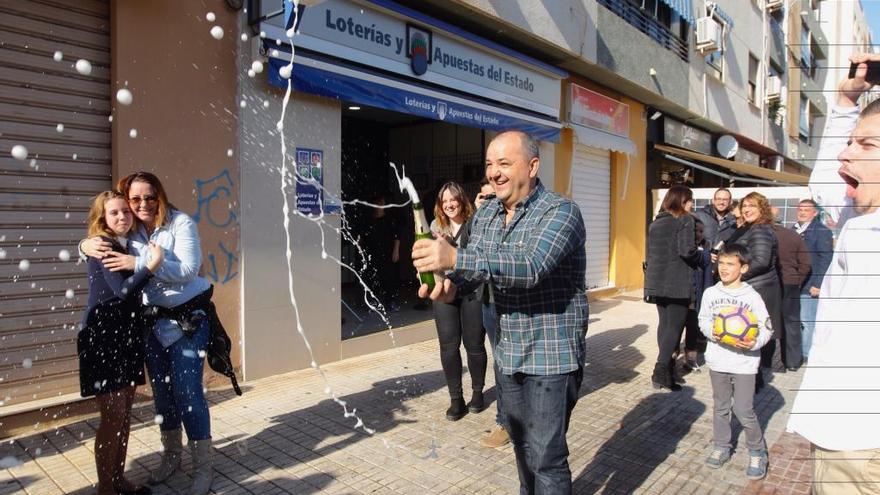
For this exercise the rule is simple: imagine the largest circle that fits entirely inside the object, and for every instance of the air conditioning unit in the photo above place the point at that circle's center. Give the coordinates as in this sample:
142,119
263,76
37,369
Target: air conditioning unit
708,35
774,88
773,4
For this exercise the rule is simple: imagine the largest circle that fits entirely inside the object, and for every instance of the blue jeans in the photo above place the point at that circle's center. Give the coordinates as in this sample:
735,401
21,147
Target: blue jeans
538,409
490,323
809,306
176,379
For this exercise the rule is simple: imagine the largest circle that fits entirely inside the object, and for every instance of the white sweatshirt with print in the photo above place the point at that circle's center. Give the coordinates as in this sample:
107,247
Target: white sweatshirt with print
724,358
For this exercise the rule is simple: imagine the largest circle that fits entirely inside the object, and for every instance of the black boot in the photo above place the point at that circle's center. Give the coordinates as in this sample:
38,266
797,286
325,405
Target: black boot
662,377
675,381
457,410
477,404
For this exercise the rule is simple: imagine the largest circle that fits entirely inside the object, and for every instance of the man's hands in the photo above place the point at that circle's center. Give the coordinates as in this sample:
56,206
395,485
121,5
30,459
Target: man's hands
443,291
849,90
433,255
814,292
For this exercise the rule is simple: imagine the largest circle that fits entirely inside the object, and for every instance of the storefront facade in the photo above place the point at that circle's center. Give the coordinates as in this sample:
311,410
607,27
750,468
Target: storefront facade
428,95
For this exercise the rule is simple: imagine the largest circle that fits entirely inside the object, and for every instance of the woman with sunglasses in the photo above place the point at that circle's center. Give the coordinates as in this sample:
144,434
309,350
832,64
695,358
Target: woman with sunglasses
177,336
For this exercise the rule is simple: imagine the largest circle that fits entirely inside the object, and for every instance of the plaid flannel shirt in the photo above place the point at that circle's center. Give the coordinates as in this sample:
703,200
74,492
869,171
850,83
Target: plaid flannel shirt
536,266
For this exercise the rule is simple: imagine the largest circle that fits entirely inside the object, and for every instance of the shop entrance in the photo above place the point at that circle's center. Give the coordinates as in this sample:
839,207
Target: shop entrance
432,152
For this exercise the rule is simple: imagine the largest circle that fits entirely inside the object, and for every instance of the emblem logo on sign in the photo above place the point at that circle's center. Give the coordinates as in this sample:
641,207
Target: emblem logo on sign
419,44
441,110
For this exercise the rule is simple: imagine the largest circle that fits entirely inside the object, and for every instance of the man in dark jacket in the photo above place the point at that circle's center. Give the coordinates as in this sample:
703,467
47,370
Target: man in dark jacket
717,220
794,268
819,241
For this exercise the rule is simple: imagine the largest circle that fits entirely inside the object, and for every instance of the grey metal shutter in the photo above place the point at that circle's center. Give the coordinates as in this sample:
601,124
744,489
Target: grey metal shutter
591,190
44,199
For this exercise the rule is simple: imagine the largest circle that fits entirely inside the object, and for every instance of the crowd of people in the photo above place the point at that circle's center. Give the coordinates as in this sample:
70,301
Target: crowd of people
514,265
691,256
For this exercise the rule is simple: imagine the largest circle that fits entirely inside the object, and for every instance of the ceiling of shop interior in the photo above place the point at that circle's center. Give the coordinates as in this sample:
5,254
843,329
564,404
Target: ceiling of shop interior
378,115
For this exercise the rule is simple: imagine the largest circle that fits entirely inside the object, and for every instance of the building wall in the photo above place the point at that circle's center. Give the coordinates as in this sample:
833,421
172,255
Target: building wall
569,25
629,204
185,114
272,343
727,100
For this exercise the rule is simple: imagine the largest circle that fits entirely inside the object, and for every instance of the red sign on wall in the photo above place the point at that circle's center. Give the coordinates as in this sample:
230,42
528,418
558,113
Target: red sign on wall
591,109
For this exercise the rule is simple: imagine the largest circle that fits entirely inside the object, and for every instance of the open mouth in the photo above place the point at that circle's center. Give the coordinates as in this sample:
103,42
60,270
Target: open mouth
851,183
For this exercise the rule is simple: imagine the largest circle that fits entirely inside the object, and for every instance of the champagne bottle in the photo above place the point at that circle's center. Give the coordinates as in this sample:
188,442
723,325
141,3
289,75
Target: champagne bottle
422,232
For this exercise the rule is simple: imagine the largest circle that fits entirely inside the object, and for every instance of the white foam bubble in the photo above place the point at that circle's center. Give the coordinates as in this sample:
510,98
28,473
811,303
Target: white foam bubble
19,152
64,255
24,265
27,363
133,133
69,294
124,97
217,32
244,37
59,127
229,152
251,73
257,66
210,17
159,419
83,66
58,56
284,72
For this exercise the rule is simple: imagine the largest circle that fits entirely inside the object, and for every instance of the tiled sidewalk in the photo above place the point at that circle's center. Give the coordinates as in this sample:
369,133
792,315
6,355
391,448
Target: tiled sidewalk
286,436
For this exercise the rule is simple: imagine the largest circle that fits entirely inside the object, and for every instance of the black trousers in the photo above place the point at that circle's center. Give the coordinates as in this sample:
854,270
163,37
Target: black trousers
461,322
673,315
694,340
792,354
772,297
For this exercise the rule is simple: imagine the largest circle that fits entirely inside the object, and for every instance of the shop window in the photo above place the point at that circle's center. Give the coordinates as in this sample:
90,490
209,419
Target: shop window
753,79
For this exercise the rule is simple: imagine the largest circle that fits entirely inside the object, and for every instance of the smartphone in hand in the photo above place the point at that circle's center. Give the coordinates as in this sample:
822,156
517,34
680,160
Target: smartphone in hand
873,75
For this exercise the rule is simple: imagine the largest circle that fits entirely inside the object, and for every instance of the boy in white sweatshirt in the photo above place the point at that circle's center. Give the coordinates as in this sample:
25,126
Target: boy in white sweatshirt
732,369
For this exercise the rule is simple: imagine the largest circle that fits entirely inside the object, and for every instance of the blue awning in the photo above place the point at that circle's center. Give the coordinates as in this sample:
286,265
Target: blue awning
353,85
684,9
724,16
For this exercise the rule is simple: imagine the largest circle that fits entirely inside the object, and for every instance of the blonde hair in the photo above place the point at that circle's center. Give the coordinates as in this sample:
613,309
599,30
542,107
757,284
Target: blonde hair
97,214
763,206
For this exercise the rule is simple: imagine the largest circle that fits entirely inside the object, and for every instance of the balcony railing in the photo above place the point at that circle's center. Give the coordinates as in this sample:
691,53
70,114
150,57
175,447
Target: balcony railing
638,19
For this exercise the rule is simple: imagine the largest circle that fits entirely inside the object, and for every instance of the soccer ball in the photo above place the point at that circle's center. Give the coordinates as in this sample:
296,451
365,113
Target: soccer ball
733,324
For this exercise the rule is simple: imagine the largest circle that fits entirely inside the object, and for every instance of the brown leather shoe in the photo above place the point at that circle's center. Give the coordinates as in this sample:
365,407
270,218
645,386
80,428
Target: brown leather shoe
498,437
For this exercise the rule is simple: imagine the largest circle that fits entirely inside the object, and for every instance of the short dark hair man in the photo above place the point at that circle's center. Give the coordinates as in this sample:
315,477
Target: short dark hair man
528,245
794,268
820,243
718,221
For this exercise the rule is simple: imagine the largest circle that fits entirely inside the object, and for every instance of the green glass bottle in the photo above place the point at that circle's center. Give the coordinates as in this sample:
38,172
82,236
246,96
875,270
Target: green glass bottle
422,232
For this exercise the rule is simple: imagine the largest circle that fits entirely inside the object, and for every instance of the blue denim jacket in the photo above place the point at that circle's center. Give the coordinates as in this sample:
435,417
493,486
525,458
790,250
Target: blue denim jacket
177,280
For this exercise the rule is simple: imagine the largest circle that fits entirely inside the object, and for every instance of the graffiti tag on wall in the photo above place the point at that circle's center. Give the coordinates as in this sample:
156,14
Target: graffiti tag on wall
214,197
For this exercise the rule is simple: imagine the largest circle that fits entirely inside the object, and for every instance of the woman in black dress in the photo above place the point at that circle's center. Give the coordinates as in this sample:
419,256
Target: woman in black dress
111,345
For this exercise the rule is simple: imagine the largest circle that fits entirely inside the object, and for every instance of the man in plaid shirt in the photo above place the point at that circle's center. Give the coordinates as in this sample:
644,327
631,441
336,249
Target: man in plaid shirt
528,245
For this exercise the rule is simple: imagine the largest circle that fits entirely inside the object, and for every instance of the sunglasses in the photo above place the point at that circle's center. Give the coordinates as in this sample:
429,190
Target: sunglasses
136,200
